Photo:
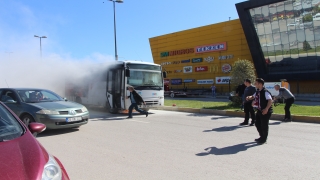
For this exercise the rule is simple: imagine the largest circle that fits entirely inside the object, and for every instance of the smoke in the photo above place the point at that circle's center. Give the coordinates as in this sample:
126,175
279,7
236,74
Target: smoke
51,72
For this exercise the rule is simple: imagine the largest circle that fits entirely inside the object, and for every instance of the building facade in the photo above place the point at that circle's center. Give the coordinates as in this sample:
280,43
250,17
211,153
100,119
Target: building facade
197,58
280,37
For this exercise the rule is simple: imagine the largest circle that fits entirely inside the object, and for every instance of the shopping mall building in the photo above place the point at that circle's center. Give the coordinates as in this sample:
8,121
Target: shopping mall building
281,38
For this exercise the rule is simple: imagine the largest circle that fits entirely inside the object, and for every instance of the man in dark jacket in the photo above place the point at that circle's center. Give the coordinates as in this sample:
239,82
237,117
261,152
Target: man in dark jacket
240,93
263,101
248,109
136,100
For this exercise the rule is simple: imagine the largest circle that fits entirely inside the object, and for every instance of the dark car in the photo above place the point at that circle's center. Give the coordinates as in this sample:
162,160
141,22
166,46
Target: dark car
22,157
44,106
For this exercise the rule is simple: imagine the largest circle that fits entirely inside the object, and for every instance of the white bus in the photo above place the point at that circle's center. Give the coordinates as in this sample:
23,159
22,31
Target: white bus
110,91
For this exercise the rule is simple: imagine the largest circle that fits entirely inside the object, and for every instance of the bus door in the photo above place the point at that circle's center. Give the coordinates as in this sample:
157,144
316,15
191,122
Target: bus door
115,88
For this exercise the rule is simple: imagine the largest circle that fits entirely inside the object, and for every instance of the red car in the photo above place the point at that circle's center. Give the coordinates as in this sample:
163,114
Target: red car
21,155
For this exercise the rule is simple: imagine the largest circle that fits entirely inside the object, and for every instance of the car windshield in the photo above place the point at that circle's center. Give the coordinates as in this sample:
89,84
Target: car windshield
9,126
34,96
145,78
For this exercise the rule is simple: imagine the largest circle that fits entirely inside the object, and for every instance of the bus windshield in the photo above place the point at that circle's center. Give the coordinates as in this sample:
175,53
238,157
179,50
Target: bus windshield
145,79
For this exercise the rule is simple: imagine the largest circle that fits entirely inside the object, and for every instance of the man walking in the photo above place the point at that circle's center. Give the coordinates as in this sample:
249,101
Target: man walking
289,97
248,109
240,93
136,100
213,89
263,100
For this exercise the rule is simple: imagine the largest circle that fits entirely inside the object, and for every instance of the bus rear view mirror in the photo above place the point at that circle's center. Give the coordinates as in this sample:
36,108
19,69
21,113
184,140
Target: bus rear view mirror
127,72
164,74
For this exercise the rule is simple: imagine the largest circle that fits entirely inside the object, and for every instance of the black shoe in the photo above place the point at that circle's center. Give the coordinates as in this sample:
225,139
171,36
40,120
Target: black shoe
258,139
129,117
287,120
147,113
261,142
244,123
252,124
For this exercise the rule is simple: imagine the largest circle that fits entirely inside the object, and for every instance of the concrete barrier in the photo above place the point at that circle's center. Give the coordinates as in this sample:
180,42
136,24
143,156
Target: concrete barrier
295,118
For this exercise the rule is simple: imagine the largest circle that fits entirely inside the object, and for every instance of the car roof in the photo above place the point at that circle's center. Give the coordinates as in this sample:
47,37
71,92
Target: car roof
27,89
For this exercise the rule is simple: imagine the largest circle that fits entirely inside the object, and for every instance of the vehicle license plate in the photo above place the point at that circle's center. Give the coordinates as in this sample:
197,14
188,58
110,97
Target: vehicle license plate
73,119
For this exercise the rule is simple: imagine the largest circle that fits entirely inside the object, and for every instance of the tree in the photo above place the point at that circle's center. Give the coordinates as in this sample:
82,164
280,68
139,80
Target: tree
316,9
241,70
307,18
306,46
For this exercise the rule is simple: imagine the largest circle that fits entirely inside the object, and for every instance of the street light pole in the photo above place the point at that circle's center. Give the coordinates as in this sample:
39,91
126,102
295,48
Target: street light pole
40,37
114,24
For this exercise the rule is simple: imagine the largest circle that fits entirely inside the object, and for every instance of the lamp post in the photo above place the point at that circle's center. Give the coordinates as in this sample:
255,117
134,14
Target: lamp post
40,37
114,22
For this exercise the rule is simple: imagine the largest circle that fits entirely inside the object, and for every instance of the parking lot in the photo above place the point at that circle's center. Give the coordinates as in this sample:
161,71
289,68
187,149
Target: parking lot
175,145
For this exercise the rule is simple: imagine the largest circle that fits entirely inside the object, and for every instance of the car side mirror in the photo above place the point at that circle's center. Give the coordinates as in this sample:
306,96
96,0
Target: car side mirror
65,99
36,128
164,74
127,72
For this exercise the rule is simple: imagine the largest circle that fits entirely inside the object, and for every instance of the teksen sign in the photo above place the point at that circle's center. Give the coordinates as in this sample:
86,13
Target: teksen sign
196,60
223,80
205,81
211,48
201,69
176,52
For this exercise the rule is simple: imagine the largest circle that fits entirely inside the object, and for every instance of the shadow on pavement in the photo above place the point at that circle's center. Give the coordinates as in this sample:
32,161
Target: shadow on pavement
54,132
220,117
232,128
227,150
116,117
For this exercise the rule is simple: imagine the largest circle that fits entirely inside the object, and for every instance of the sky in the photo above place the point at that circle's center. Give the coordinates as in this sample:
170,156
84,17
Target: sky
80,35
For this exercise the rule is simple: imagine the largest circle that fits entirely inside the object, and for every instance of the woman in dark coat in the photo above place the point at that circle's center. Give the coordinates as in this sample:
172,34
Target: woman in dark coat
136,100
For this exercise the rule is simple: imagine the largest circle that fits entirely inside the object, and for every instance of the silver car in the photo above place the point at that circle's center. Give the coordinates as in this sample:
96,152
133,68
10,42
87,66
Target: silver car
44,106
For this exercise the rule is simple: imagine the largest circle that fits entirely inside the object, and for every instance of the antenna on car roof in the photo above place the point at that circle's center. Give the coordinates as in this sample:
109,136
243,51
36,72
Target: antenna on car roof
6,83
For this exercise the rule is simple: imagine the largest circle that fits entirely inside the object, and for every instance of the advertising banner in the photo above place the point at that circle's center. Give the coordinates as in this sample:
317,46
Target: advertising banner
187,69
211,47
205,81
223,80
176,81
201,69
188,80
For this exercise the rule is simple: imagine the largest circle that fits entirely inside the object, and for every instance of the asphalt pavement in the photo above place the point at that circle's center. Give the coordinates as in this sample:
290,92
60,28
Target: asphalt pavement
176,145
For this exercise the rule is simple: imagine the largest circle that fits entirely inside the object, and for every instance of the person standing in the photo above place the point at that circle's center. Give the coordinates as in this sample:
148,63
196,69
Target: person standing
289,97
136,100
240,92
213,89
262,99
248,108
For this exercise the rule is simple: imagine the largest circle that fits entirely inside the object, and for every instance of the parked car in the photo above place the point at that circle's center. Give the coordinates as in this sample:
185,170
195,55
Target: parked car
306,25
316,17
292,25
21,155
44,106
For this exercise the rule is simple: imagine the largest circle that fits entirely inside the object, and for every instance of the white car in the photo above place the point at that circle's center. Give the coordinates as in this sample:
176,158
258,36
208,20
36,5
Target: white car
316,17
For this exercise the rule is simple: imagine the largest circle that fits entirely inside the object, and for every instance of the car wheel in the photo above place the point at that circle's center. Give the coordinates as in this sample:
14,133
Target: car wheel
172,95
27,119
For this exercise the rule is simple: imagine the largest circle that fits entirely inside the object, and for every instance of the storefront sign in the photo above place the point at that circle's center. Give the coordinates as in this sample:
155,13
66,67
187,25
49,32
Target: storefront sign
176,81
226,68
223,80
176,52
166,81
225,57
185,61
211,47
187,69
209,59
175,62
201,69
196,60
188,80
165,63
205,81
169,72
177,71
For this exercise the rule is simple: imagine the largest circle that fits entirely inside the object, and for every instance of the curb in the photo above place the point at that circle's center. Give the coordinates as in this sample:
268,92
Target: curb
296,118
